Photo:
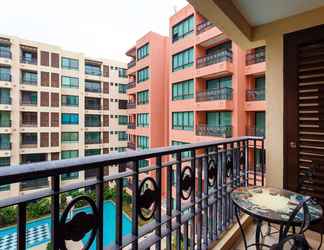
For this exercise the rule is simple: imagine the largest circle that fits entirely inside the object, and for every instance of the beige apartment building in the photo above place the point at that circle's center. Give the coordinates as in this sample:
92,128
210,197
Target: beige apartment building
56,104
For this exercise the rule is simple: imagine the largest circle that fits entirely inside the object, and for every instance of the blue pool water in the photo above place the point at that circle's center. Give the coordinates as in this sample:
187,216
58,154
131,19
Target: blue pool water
38,232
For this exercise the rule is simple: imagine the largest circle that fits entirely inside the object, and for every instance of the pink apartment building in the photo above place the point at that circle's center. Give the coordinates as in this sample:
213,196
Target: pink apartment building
148,93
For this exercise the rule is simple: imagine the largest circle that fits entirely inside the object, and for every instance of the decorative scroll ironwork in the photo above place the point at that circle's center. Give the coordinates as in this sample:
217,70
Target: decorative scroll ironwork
187,182
212,173
147,198
80,224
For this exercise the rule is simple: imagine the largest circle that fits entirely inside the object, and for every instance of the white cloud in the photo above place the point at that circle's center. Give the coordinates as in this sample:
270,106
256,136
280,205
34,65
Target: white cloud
99,28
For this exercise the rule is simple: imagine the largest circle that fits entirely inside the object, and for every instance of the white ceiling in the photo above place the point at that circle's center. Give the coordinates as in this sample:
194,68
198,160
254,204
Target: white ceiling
259,12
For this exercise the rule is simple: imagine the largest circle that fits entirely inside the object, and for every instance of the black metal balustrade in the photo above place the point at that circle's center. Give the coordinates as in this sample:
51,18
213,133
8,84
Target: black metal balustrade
256,56
131,85
131,64
216,57
203,26
208,130
214,94
255,95
202,208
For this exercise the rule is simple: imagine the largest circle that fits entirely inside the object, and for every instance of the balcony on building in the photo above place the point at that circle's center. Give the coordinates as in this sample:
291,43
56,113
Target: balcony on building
132,122
92,103
93,68
131,145
28,98
132,83
212,130
29,119
5,73
257,124
28,140
122,136
5,141
203,26
92,86
122,104
5,119
29,77
28,55
5,97
257,55
92,137
131,104
92,120
5,50
131,64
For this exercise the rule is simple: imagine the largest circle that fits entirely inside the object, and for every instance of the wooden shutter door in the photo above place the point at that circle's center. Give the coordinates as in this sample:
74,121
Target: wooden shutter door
304,111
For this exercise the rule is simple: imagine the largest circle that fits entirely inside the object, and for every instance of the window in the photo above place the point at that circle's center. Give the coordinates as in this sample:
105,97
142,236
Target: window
5,96
68,63
219,119
29,77
143,97
70,119
94,151
183,90
143,120
5,51
143,142
70,137
29,138
143,163
183,120
121,149
260,83
28,98
122,72
92,137
183,59
4,162
183,28
91,69
92,86
29,119
143,75
70,100
123,120
5,120
70,82
92,120
260,123
122,136
122,88
5,74
219,83
185,154
69,154
5,141
92,103
143,52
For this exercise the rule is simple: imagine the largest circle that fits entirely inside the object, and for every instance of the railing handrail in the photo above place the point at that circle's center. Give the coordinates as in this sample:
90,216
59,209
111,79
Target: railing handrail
24,172
255,94
214,90
252,56
215,57
203,26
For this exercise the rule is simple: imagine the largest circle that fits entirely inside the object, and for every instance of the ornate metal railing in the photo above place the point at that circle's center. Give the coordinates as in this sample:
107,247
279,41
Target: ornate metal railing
255,95
256,56
214,94
202,209
209,130
203,26
216,57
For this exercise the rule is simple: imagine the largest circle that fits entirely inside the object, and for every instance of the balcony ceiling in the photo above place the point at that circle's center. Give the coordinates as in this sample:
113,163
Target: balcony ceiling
258,12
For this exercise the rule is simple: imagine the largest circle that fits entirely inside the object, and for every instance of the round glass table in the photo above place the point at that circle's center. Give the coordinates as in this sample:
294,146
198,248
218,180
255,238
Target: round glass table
271,205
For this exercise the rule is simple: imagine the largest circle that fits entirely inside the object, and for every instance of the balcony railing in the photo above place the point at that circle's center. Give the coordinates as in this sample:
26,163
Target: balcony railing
131,145
131,85
256,56
5,77
131,125
92,124
92,106
92,141
131,64
203,26
214,94
91,71
27,60
131,105
5,53
255,95
209,130
255,132
216,57
202,209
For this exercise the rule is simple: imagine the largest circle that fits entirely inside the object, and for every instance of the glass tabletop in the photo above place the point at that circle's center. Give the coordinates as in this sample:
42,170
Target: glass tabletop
273,204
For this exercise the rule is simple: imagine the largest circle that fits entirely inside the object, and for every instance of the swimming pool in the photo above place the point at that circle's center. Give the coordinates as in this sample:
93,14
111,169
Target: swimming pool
38,232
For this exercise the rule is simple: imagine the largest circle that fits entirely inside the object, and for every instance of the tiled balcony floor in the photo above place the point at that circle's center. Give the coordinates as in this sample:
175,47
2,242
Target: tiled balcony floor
313,238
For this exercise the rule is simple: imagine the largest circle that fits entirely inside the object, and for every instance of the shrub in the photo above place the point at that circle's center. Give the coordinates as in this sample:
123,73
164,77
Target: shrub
8,216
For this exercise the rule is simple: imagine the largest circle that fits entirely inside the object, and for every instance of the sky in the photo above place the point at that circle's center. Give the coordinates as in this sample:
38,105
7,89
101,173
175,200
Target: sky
98,28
